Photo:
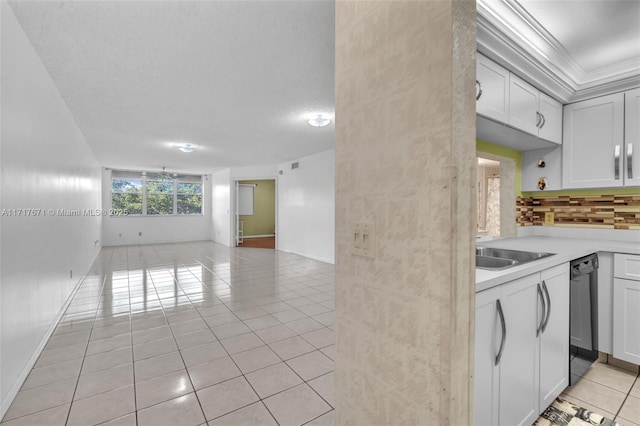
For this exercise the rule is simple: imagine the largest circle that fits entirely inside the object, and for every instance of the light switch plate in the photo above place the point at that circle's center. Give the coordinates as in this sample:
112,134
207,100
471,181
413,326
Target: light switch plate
363,239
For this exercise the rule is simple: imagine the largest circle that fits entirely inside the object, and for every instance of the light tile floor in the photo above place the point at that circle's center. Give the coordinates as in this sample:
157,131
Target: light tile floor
197,334
189,334
610,391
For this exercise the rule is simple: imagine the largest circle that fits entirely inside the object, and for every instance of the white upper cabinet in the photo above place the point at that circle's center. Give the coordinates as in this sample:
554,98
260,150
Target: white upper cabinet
513,113
492,90
534,112
631,150
523,105
550,127
592,154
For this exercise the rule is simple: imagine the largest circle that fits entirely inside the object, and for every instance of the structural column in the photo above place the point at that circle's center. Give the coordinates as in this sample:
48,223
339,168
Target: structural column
405,211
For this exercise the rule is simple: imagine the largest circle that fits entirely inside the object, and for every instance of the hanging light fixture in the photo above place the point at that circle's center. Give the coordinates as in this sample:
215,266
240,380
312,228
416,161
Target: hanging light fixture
164,176
319,121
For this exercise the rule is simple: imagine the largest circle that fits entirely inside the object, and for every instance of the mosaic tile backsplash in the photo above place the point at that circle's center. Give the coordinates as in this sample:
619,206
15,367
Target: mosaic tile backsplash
597,211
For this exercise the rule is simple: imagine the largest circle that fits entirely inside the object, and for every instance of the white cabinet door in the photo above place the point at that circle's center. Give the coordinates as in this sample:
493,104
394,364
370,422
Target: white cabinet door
550,127
554,336
523,105
626,320
492,90
626,266
519,375
632,138
592,153
488,338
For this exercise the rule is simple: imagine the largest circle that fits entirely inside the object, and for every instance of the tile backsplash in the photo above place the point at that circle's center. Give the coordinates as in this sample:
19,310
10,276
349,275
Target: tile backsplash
597,211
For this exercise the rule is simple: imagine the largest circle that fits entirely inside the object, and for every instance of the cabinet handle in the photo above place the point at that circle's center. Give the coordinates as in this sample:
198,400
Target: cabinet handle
544,311
504,331
479,90
538,119
630,161
546,320
616,162
544,121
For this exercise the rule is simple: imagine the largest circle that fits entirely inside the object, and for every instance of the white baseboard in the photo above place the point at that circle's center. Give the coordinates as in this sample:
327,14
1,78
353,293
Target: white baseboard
246,237
8,399
320,259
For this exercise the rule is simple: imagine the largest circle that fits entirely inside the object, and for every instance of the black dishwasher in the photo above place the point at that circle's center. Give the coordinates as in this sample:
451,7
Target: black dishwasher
583,314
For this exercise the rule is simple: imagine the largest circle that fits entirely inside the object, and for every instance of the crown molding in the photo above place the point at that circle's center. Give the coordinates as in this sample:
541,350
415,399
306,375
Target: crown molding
509,35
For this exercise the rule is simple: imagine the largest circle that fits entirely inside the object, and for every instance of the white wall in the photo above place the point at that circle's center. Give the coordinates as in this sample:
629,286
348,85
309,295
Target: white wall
254,172
306,207
125,230
46,164
587,233
221,208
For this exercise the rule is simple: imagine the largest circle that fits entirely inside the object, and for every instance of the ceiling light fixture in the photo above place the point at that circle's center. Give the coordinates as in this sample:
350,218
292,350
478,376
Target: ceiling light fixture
319,121
164,175
187,148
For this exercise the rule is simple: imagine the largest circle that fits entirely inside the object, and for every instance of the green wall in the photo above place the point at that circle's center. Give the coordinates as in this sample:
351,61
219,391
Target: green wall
490,148
263,221
503,151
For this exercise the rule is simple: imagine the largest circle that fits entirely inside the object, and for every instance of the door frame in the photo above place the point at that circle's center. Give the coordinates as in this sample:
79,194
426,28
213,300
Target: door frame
235,203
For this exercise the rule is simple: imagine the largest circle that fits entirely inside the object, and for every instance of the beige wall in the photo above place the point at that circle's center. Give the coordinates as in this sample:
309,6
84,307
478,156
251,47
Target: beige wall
405,160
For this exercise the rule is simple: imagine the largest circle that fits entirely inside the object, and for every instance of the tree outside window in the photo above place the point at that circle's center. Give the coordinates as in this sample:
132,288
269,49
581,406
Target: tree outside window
159,197
189,198
126,195
140,193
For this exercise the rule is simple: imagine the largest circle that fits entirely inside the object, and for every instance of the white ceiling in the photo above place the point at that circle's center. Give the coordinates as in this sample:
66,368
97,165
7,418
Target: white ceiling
572,49
238,79
234,78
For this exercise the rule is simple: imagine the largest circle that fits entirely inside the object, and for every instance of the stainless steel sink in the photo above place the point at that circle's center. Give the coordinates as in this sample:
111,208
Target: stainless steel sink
488,262
496,258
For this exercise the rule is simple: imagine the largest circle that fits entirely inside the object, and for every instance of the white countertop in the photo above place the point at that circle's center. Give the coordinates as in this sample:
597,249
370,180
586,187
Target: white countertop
565,249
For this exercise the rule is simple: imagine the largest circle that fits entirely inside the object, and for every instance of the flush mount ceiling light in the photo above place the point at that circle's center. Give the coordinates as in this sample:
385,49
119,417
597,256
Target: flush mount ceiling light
187,148
319,121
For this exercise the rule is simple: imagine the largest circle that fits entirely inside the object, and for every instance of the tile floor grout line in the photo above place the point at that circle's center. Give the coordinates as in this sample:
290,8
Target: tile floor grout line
186,369
626,397
237,366
164,263
133,359
260,399
86,349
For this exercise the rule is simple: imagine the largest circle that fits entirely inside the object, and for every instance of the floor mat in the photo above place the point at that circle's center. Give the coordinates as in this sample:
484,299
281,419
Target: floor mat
564,413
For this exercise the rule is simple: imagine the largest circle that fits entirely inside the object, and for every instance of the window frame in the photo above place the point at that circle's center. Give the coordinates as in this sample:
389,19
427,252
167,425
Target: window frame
145,177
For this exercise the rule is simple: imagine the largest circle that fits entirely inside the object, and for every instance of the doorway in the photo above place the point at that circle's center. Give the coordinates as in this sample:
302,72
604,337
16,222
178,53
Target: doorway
496,198
256,213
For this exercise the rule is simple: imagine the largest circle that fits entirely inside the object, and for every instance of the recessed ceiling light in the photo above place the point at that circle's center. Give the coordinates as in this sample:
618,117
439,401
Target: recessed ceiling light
187,148
319,121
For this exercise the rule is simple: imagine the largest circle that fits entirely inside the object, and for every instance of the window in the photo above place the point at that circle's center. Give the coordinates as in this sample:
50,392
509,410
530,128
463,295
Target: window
189,198
153,194
160,196
126,192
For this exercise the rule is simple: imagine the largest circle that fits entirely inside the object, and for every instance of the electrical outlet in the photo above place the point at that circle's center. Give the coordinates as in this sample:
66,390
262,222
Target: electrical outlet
363,239
549,218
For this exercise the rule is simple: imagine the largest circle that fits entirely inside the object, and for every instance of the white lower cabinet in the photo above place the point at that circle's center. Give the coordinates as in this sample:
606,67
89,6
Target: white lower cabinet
626,308
554,338
522,347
